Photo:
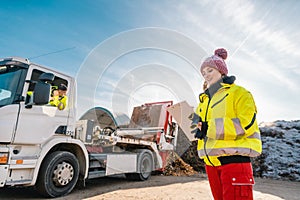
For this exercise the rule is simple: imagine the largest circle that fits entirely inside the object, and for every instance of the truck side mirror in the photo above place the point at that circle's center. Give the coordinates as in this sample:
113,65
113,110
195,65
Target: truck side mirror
41,93
42,89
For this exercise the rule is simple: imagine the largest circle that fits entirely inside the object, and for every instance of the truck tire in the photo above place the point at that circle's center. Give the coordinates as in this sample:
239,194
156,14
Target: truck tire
58,174
145,167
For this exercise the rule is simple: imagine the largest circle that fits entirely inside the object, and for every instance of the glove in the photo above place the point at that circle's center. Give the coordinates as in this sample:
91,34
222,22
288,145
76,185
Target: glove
200,134
197,133
195,119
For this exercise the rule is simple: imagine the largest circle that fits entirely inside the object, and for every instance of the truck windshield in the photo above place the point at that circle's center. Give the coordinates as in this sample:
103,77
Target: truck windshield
10,84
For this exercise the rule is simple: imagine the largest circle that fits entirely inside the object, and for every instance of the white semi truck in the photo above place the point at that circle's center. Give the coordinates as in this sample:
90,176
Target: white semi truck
50,149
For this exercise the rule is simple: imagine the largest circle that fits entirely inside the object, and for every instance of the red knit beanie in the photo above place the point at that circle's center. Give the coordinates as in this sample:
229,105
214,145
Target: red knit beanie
216,61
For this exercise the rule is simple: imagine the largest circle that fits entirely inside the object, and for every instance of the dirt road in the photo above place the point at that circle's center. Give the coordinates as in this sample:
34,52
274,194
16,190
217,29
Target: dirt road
159,188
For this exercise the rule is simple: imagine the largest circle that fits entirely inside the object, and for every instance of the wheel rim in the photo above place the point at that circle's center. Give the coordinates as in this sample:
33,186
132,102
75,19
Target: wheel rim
63,174
146,167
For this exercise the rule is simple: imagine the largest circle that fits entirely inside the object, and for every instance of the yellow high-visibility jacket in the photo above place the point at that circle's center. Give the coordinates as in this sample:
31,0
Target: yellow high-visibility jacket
232,126
59,101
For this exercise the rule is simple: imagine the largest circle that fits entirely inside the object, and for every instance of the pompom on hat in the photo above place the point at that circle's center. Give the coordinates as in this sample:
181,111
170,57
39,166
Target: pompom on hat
216,61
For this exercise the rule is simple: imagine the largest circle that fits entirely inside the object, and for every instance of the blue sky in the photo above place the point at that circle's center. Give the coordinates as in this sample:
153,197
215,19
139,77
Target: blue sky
154,48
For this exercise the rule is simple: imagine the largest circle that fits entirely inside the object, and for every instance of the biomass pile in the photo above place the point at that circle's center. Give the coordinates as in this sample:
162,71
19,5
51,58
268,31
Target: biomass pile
177,167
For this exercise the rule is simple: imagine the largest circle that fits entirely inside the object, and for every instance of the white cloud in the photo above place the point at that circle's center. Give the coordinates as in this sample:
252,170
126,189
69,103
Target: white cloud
242,13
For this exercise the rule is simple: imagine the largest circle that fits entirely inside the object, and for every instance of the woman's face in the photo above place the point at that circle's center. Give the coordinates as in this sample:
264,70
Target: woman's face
211,75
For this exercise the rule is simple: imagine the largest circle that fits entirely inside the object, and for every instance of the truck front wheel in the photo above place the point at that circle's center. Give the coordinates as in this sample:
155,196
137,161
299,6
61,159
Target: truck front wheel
58,174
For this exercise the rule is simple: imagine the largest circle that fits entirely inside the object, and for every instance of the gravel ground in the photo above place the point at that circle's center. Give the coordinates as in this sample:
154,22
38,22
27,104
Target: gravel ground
159,187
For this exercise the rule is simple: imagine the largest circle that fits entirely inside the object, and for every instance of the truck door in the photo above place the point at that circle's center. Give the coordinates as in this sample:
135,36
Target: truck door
37,123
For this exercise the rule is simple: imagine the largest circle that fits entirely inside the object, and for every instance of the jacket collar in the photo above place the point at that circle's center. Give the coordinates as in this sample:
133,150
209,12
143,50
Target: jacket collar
219,84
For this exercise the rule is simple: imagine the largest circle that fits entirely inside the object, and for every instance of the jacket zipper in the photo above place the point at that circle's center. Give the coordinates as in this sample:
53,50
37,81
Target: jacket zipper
205,119
205,138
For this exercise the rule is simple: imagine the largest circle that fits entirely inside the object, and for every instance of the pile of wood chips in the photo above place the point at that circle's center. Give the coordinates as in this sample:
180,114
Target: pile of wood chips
177,167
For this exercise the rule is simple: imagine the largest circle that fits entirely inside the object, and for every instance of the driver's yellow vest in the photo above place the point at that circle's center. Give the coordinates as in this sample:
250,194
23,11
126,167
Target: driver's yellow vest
59,101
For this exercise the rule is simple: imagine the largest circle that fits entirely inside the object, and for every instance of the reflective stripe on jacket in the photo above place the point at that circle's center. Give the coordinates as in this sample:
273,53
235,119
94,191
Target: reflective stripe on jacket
232,125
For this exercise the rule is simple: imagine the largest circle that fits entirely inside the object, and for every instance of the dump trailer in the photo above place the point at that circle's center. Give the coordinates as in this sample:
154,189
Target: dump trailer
47,147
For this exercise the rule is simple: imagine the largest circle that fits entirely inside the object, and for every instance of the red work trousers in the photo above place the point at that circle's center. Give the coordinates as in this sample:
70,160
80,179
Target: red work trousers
231,181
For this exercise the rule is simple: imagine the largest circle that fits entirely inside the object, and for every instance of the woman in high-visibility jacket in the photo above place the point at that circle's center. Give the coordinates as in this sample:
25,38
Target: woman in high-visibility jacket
228,134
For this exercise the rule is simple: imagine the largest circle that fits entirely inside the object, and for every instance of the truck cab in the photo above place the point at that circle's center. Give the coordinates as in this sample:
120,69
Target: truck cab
31,129
22,107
